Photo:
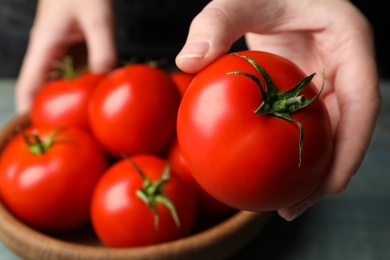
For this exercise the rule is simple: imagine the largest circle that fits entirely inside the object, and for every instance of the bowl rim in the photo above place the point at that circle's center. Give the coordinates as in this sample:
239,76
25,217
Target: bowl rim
216,242
219,241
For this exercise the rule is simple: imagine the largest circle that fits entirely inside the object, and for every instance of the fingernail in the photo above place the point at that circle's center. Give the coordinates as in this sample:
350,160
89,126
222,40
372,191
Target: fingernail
194,49
291,217
297,212
342,189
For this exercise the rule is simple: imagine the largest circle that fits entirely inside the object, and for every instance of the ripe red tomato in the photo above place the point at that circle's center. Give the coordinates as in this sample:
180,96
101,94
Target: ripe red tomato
64,102
240,152
134,110
120,216
207,204
49,186
182,80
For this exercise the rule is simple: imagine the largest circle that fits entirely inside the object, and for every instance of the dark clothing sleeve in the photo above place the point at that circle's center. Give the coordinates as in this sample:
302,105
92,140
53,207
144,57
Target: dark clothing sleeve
144,29
155,28
149,30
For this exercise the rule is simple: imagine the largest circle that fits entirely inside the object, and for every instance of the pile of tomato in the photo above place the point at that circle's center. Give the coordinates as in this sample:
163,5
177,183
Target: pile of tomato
142,153
102,149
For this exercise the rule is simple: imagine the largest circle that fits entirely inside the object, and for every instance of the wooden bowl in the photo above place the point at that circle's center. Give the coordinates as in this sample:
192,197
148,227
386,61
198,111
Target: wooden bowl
217,241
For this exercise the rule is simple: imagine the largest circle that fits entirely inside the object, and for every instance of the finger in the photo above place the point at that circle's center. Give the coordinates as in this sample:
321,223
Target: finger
294,211
37,62
48,42
352,138
211,34
222,22
98,31
359,104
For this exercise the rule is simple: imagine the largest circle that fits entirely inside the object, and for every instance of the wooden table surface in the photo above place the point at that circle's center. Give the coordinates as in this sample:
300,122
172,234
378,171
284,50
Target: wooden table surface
355,225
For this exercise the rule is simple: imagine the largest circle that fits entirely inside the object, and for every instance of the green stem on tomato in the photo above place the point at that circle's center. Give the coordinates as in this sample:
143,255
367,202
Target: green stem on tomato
36,145
152,193
65,69
280,103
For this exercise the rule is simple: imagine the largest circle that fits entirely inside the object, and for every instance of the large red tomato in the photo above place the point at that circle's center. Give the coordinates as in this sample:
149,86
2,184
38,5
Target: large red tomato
47,176
207,204
250,149
139,201
134,110
64,102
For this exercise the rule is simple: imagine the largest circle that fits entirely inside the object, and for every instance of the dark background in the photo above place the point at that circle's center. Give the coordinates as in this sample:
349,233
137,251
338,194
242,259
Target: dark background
378,14
16,17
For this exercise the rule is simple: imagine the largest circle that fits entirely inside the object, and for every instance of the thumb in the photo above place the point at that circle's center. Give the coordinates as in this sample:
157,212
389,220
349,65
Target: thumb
212,33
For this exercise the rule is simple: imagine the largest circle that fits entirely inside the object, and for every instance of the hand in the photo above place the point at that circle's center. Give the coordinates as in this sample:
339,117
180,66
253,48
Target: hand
58,27
316,35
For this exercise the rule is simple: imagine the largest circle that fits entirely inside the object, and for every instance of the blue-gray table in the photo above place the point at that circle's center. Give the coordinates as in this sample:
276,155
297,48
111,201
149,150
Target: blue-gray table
353,226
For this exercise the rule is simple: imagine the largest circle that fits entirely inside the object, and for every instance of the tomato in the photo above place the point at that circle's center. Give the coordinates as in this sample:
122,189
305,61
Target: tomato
243,147
64,101
182,80
122,218
48,181
207,204
134,110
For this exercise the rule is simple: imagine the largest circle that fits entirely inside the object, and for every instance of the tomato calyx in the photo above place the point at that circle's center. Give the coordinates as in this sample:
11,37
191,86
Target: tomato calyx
36,145
281,104
152,193
65,69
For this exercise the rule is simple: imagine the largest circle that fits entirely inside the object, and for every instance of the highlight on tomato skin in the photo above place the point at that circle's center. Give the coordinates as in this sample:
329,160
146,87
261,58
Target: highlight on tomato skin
64,100
248,160
134,109
47,176
228,147
121,218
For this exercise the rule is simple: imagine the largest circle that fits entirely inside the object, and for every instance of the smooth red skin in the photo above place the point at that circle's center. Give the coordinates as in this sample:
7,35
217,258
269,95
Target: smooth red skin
245,160
134,110
121,219
51,192
182,80
64,102
207,204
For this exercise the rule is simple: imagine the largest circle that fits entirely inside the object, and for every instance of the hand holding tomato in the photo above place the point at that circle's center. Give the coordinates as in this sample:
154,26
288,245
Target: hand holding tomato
254,132
301,32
